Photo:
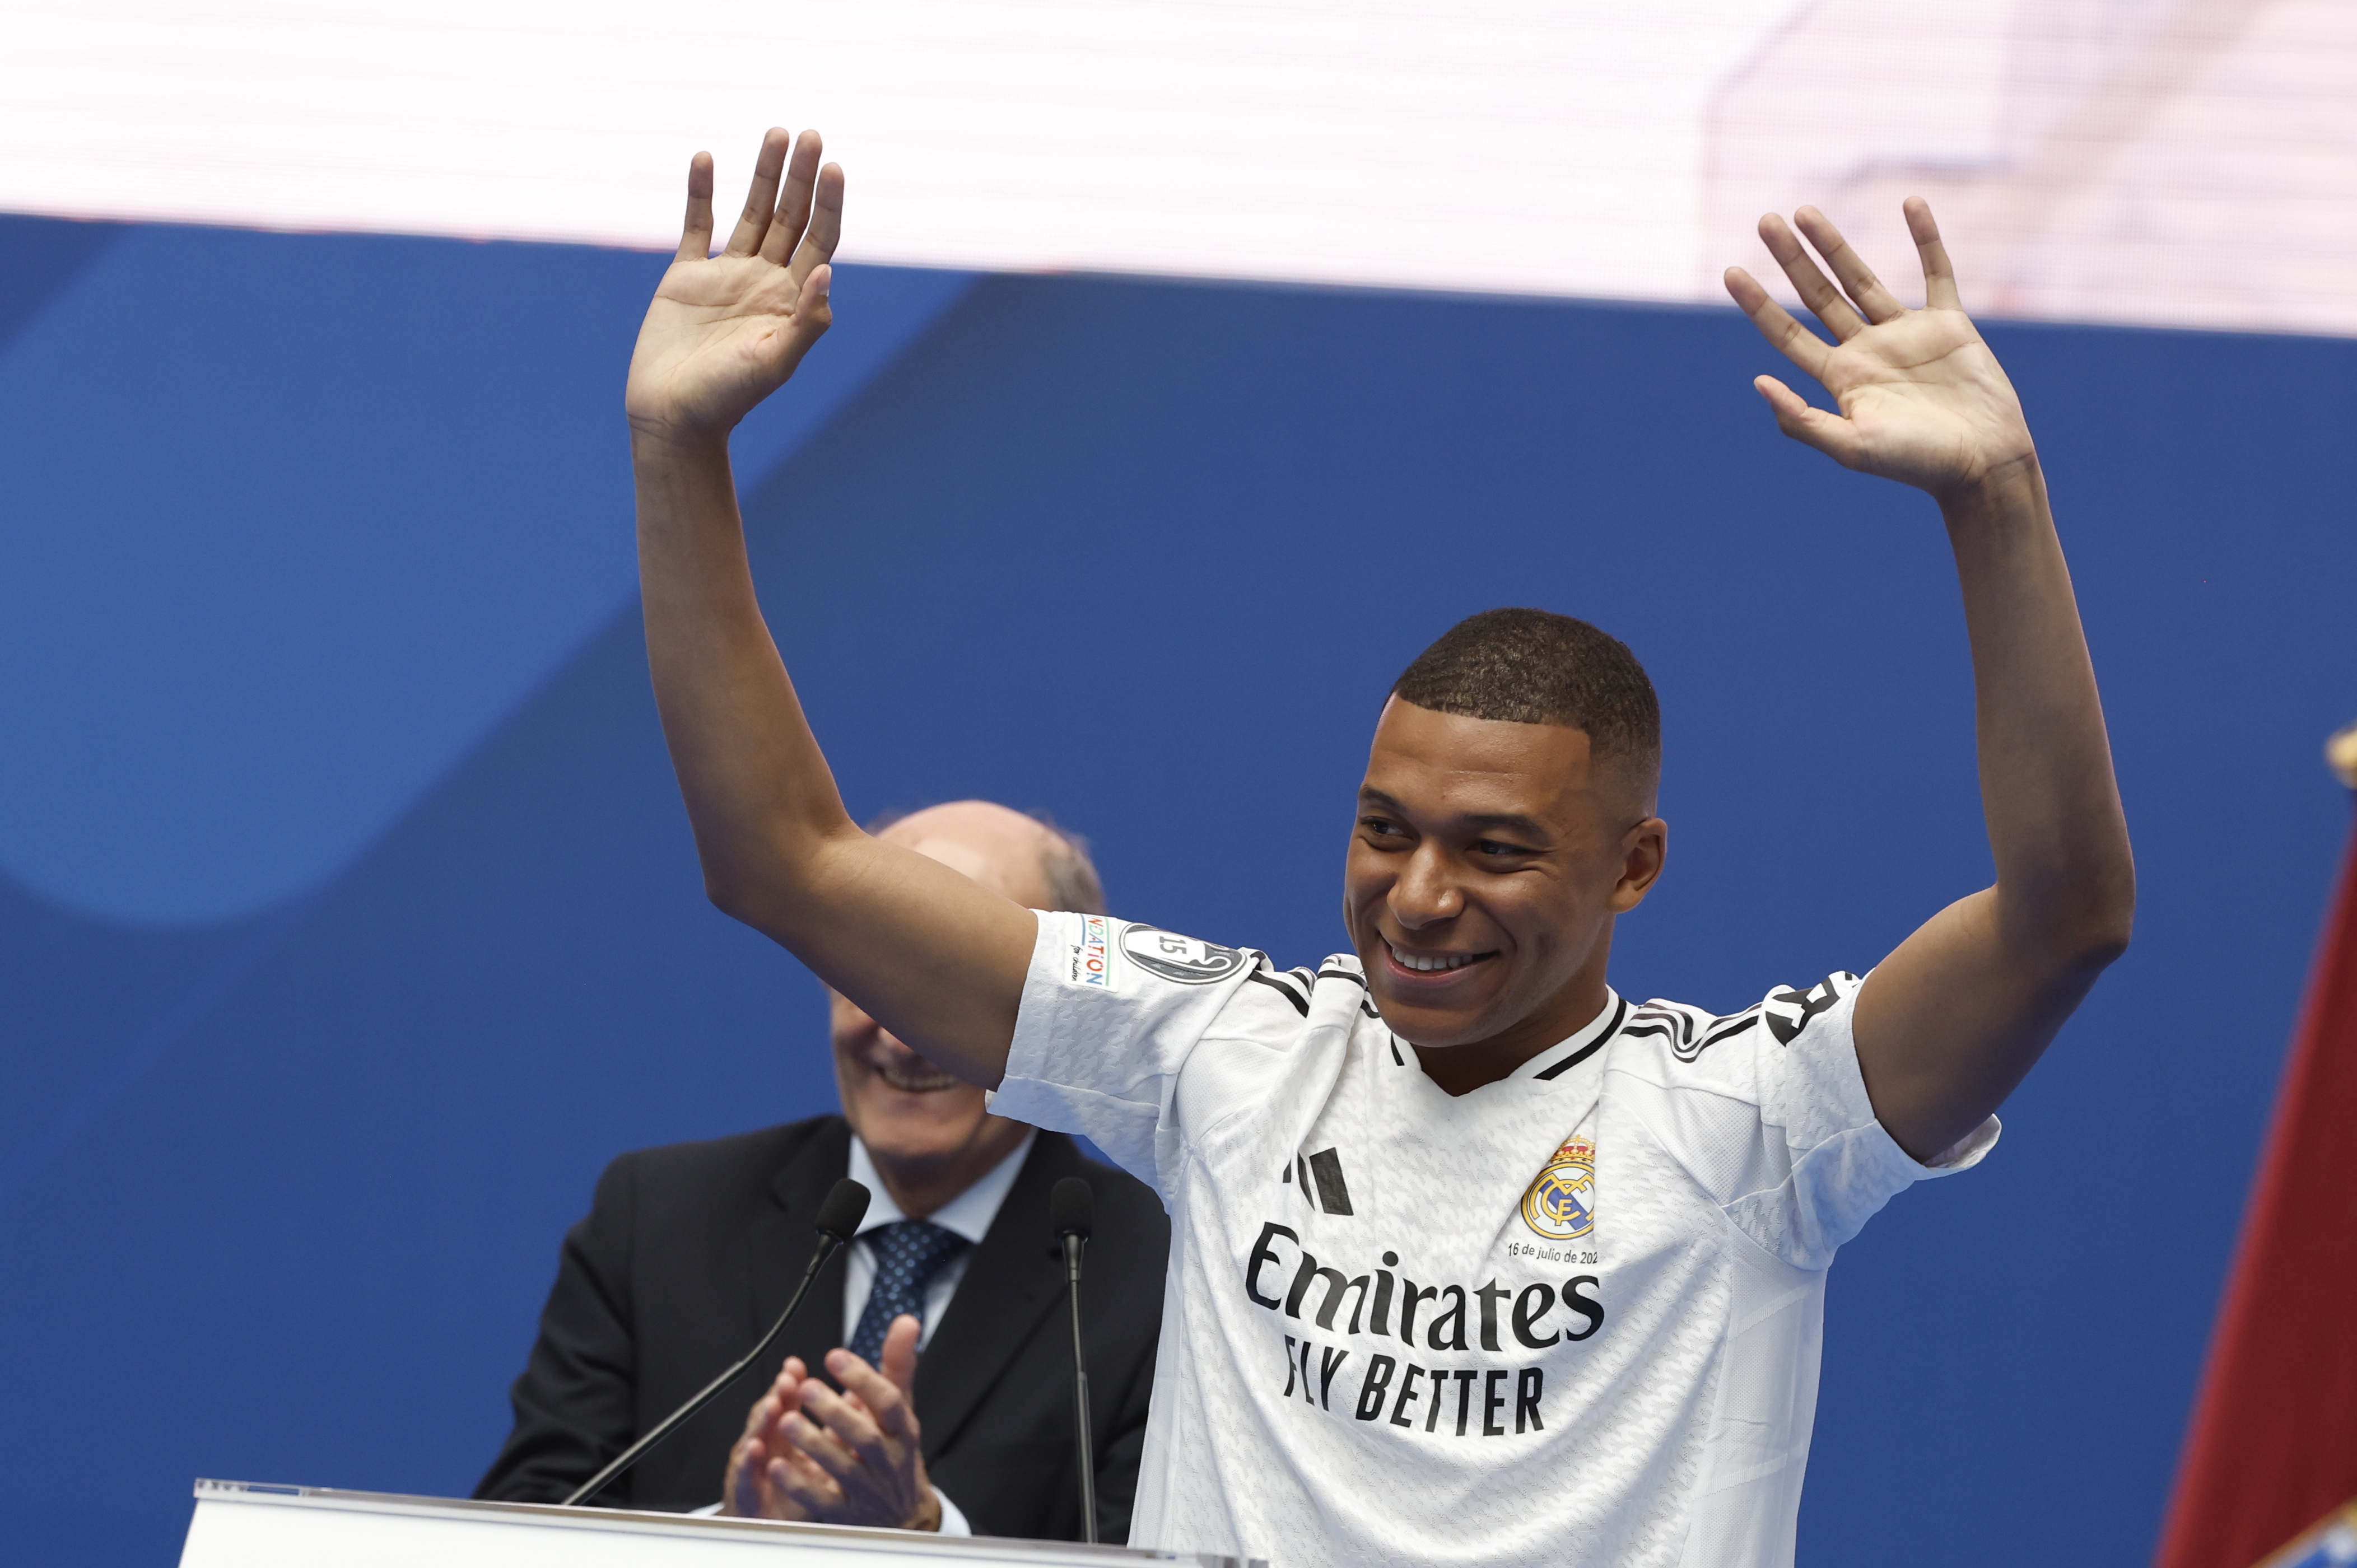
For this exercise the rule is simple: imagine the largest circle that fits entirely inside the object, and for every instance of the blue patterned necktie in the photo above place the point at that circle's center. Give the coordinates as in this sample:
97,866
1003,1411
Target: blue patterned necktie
909,1253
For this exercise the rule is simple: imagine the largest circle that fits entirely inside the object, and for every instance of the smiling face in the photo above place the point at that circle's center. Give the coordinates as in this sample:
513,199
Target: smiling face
929,1133
1489,861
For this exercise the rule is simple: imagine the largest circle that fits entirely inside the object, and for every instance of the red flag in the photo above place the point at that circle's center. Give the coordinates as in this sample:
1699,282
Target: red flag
2273,1445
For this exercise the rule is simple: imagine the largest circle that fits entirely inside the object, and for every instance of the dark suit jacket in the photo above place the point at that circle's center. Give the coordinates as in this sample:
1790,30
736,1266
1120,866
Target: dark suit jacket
687,1257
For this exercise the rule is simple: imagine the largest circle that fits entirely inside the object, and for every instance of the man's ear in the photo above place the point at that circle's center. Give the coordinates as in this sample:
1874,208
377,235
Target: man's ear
1644,849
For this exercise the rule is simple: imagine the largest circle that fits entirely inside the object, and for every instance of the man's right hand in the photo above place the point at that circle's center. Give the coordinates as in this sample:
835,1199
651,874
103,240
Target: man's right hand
809,1453
726,331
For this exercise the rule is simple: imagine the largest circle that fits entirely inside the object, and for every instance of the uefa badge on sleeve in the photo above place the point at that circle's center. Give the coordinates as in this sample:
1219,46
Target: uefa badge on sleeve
1561,1204
1176,957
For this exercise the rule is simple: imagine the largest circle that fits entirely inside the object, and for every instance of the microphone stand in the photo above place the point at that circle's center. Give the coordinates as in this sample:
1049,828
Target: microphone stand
1072,1246
1071,1202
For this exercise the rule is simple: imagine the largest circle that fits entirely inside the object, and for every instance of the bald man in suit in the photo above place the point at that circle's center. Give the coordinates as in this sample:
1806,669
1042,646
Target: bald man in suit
940,1322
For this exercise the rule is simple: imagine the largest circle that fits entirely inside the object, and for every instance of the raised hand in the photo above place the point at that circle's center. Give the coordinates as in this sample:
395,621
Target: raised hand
1922,400
726,331
809,1453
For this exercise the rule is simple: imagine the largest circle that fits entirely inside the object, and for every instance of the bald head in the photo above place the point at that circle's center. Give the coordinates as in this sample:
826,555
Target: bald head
931,1136
1015,856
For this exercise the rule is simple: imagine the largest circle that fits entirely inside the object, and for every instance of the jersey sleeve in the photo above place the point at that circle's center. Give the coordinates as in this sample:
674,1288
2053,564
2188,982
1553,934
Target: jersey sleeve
1112,1013
1768,1110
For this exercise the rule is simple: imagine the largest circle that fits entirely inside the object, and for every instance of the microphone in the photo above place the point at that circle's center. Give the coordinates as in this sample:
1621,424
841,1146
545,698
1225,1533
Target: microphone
838,1217
1070,1205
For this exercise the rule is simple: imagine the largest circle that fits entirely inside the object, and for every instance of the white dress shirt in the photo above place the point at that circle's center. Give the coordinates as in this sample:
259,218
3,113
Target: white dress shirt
968,1214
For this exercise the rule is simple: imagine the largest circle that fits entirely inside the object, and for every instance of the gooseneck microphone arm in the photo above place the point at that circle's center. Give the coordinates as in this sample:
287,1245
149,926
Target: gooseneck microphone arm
1070,1207
838,1220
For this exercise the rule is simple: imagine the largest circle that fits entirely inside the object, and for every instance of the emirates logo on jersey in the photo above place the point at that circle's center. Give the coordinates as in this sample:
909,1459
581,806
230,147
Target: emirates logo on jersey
1561,1203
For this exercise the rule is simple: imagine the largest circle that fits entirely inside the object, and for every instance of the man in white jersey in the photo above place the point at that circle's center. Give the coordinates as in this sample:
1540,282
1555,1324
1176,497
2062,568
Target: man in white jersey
1473,1261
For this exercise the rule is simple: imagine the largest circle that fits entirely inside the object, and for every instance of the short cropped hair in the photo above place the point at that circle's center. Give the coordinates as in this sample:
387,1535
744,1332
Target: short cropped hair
1071,875
1535,667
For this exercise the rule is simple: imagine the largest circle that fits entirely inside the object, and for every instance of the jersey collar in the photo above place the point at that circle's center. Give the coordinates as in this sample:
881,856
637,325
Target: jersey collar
1554,1061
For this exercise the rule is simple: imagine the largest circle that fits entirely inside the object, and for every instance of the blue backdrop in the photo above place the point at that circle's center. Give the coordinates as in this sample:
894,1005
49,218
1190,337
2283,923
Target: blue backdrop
348,921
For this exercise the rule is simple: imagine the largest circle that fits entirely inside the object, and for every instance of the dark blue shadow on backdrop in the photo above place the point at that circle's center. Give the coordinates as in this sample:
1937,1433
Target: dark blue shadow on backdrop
1146,556
297,532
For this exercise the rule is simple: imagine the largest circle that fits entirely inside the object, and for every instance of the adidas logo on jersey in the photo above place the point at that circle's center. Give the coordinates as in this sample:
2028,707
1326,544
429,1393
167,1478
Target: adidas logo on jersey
1320,1175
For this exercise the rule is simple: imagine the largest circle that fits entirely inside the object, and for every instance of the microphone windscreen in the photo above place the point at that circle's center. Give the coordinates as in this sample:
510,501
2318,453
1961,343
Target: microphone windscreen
845,1207
1070,1205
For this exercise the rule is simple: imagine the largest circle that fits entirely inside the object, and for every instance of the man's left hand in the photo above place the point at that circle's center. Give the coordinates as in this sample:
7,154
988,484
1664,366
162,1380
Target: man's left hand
1922,400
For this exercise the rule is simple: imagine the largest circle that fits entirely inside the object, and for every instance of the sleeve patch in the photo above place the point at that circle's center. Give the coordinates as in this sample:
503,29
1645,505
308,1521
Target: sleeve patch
1091,963
1182,959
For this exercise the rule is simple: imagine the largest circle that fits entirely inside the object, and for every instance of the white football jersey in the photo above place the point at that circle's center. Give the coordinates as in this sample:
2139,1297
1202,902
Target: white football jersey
1572,1316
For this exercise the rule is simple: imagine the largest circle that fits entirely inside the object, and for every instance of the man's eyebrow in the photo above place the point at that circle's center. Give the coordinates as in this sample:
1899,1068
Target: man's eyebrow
1504,821
1508,822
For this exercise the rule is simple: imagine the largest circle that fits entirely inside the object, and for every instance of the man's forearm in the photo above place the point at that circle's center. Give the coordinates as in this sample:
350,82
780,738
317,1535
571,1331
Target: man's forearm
778,851
2066,881
758,792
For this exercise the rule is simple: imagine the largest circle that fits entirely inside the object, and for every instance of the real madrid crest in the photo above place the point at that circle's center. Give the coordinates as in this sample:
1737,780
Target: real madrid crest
1561,1204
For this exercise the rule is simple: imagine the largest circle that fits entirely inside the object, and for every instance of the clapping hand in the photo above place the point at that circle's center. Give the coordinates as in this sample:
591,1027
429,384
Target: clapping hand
809,1453
1922,400
726,331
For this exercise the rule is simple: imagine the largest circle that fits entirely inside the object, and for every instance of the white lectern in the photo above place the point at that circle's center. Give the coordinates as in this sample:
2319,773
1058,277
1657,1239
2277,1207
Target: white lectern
239,1525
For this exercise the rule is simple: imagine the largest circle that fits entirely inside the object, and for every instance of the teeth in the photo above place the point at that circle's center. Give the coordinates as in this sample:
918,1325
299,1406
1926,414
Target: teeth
915,1082
1431,965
